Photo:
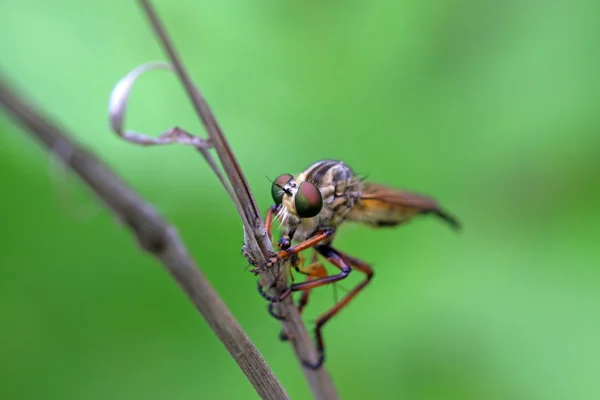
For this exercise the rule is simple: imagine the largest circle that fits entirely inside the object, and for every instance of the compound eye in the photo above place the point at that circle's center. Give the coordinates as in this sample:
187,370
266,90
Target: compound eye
277,187
308,201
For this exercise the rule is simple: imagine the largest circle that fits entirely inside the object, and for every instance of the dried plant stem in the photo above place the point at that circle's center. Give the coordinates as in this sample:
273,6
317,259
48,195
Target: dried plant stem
153,234
257,243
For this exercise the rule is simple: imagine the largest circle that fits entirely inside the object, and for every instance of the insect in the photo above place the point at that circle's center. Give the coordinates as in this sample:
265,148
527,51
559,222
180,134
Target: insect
312,205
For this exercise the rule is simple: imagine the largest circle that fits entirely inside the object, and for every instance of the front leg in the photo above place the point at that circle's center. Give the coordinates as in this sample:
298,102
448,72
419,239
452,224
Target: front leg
269,220
286,240
312,241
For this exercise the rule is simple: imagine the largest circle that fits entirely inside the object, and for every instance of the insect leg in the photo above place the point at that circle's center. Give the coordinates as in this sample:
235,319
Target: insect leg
269,220
355,263
301,303
284,242
335,258
297,263
313,271
332,256
312,241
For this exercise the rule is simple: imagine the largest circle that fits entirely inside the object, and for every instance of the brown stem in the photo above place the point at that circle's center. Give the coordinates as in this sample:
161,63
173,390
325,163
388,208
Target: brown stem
257,243
153,234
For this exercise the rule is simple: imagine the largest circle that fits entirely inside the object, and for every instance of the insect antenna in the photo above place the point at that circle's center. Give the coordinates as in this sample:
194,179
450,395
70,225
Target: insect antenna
269,179
274,183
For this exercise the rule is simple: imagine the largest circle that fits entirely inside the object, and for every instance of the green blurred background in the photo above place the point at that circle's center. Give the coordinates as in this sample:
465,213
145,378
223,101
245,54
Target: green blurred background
491,107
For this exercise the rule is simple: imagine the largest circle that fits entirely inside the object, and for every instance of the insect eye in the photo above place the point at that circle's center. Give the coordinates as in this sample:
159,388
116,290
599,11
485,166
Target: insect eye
308,200
276,191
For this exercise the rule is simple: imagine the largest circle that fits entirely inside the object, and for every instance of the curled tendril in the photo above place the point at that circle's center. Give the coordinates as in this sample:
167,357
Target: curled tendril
117,106
116,111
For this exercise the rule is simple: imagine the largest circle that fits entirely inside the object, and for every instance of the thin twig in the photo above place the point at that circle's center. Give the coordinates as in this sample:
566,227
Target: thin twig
153,234
257,243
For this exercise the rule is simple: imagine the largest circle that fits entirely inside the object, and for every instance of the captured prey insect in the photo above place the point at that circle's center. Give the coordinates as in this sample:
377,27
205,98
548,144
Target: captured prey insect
312,205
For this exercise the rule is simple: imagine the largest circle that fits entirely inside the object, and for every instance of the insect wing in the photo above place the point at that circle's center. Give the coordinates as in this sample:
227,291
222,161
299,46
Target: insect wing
381,205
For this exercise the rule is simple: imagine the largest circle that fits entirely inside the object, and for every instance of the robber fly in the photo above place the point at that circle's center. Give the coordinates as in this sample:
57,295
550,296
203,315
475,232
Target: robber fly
311,206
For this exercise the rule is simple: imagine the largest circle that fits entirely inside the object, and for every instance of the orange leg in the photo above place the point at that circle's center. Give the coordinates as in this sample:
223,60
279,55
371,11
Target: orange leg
356,264
269,220
312,241
341,261
282,243
332,256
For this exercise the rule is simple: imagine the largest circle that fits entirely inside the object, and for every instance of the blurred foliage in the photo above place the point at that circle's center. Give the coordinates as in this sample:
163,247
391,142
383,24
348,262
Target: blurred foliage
491,107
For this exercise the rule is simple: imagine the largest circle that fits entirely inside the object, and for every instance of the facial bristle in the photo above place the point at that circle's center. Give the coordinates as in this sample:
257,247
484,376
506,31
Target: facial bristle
283,217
